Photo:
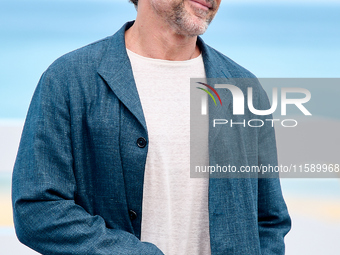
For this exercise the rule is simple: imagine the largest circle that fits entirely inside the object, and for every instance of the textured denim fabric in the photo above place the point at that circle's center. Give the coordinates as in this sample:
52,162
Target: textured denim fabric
79,170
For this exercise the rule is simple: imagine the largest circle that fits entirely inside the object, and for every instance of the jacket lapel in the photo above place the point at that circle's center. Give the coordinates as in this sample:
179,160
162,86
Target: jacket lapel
115,68
216,74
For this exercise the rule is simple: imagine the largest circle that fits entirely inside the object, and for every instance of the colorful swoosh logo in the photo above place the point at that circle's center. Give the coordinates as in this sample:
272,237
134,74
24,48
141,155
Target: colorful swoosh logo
209,93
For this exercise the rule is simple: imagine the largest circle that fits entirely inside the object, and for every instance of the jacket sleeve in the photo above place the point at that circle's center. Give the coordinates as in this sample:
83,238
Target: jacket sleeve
273,219
46,217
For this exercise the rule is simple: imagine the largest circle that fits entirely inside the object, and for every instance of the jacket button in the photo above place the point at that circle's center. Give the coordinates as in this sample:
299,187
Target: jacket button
132,214
141,142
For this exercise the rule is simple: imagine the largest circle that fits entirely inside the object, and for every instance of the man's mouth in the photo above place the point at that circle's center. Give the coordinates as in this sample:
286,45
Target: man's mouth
202,4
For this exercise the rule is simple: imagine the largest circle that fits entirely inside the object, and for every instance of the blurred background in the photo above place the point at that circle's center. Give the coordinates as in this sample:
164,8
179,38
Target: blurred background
272,39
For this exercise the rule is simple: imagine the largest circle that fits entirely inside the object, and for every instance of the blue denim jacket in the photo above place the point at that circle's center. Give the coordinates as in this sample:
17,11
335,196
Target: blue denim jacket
78,176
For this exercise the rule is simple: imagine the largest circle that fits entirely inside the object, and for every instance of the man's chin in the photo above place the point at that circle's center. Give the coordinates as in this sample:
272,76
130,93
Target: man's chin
199,26
193,30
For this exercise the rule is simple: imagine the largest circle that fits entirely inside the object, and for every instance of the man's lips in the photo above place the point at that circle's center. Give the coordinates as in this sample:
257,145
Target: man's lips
202,4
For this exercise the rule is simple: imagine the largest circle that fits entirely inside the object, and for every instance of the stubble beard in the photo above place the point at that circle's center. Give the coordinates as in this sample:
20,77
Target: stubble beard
185,23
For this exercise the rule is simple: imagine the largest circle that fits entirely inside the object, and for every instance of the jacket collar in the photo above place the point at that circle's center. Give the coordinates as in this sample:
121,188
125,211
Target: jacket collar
115,68
215,70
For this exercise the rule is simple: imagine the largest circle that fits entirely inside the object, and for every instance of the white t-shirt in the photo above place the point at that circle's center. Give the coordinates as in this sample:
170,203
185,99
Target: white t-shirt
175,207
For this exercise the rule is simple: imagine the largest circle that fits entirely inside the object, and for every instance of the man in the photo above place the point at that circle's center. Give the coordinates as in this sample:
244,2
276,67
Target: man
103,163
